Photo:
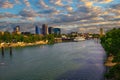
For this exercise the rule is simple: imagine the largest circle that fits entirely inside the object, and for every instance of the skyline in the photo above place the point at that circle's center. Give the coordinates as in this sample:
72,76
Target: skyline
66,14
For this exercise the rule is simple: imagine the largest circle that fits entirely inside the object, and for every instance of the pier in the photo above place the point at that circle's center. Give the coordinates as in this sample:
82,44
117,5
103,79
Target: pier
3,51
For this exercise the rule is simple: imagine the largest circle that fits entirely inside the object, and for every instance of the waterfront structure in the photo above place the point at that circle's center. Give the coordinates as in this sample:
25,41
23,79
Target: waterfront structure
57,40
50,30
44,29
57,31
74,33
37,30
77,39
16,30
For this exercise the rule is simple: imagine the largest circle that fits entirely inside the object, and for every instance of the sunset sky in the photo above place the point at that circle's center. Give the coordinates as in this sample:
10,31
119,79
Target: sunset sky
83,15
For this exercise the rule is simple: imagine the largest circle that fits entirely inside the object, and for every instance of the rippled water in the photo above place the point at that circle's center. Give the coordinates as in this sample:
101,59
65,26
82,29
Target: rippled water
62,61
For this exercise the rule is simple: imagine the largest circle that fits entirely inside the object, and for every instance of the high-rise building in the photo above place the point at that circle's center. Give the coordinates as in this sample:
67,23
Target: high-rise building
37,30
16,30
57,31
50,30
44,29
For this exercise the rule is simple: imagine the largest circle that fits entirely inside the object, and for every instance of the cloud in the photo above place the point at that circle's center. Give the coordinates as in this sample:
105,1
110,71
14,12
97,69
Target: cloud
98,1
43,4
28,13
70,13
59,2
83,9
88,4
106,1
17,1
27,3
49,12
69,8
116,6
7,15
6,4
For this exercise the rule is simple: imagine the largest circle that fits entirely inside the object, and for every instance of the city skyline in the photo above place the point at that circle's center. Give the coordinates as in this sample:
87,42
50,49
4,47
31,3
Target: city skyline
69,15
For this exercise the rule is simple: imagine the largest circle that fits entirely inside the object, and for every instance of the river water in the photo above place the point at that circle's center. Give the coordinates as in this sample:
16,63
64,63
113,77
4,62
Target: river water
62,61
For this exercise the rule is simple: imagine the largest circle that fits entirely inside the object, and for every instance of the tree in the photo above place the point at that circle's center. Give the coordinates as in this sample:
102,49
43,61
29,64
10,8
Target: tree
111,43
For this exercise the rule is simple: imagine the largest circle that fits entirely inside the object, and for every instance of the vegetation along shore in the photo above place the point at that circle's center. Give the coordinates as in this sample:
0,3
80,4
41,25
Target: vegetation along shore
7,39
111,44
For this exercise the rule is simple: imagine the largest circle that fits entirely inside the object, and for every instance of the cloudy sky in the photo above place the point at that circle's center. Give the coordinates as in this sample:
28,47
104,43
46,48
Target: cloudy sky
70,15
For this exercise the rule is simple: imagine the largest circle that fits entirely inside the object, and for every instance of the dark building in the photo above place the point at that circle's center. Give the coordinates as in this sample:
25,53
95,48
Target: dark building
57,31
16,30
50,30
44,29
37,30
25,33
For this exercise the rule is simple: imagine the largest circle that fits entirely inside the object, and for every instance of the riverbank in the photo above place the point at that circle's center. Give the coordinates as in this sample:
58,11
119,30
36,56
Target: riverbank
22,44
109,62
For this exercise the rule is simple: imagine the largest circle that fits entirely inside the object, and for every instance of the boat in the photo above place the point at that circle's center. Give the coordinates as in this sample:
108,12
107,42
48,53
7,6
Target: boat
77,39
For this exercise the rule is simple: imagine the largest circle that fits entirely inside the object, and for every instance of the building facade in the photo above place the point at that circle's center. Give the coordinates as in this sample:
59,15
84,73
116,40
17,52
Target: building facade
57,31
37,30
50,30
16,30
44,29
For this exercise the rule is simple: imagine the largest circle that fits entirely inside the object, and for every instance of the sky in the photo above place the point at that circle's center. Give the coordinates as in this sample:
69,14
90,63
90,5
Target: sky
69,15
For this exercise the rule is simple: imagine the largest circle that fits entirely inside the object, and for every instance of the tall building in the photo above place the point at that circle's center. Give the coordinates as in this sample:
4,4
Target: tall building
57,31
50,30
44,29
101,32
37,30
16,30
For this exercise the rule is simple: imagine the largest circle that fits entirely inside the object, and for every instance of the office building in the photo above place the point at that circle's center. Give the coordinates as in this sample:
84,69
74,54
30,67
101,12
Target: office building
37,30
57,31
16,30
44,29
50,30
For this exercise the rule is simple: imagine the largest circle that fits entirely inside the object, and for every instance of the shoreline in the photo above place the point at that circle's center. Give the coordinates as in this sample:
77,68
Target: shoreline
22,44
108,61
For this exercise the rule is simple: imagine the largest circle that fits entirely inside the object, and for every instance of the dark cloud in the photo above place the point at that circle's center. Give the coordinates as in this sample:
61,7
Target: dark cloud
115,6
83,9
28,13
7,15
66,18
46,11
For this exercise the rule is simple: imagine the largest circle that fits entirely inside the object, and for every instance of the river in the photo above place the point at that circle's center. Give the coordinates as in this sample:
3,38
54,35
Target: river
62,61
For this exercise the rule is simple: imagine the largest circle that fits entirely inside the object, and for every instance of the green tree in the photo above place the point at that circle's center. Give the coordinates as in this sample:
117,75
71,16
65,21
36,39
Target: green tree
111,43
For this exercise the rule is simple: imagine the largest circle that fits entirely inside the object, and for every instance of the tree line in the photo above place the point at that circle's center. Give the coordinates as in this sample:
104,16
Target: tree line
13,38
111,44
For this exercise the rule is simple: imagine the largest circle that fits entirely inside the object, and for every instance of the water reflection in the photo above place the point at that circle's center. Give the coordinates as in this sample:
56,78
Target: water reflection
63,61
86,72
